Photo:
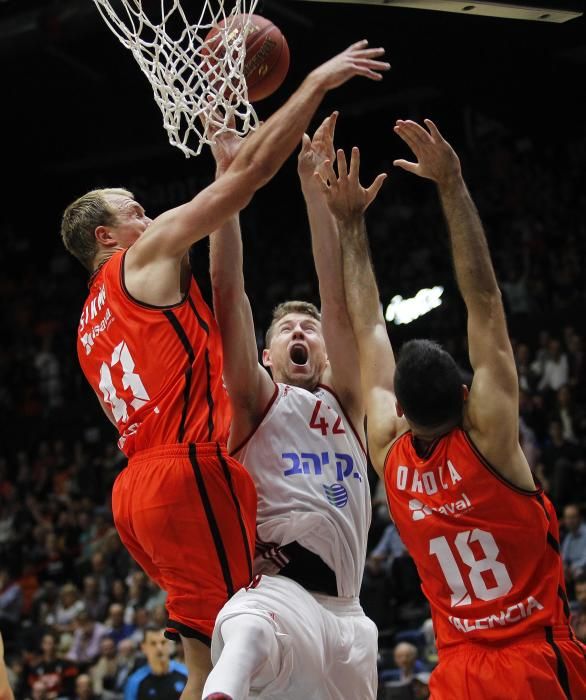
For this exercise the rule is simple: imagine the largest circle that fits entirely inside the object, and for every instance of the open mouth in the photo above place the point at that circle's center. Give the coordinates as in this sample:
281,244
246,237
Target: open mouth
298,355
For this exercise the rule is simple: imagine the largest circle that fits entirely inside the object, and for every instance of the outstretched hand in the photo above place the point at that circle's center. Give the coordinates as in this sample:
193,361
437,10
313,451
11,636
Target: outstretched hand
345,196
317,150
357,59
226,144
436,159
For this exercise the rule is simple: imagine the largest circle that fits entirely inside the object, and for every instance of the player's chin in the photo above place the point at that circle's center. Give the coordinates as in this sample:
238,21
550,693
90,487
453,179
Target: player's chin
303,378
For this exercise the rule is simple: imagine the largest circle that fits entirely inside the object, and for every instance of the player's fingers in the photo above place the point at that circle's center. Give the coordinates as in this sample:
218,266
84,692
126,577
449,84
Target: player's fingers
305,145
333,120
323,185
417,132
372,53
355,163
433,130
342,165
407,136
367,73
406,165
374,189
373,65
358,45
329,172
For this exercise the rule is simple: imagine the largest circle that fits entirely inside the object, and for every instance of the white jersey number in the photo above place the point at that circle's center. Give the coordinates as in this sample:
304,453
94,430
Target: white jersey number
499,576
130,380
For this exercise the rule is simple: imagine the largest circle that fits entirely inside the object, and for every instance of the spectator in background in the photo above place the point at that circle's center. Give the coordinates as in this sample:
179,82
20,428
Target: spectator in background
573,548
128,659
567,413
389,547
406,662
118,629
578,616
104,673
101,571
57,675
523,364
160,678
376,591
87,638
68,608
558,463
83,688
38,692
10,603
420,685
94,602
555,368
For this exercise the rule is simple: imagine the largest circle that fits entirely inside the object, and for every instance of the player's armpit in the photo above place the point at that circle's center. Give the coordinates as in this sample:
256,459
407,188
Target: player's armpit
377,368
491,418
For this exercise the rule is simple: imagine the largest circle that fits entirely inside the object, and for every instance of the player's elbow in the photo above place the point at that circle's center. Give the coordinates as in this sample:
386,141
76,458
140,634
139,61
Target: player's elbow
489,302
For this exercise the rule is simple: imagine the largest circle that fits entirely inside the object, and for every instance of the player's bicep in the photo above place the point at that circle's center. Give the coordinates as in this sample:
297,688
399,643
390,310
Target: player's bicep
248,384
377,369
489,345
172,233
342,354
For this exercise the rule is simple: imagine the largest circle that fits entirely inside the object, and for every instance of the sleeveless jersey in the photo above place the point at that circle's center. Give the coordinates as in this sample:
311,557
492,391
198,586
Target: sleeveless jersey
487,552
159,369
310,471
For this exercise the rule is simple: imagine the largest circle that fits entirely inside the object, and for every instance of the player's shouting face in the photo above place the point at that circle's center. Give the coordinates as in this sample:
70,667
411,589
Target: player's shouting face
297,352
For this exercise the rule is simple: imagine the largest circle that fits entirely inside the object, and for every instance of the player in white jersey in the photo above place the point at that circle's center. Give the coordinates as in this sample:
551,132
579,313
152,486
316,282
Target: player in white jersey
298,631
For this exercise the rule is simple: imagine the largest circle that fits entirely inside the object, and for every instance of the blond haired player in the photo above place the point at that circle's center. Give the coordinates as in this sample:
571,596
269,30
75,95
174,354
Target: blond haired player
298,630
484,537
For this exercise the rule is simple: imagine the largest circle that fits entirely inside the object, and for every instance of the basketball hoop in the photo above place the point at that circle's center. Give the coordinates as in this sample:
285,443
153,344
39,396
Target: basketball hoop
198,86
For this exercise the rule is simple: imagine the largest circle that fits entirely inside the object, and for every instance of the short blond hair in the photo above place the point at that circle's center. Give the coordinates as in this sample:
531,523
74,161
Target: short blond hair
291,307
81,218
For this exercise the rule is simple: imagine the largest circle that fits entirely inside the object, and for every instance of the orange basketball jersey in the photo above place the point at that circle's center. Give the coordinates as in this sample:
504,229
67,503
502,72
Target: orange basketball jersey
487,552
158,369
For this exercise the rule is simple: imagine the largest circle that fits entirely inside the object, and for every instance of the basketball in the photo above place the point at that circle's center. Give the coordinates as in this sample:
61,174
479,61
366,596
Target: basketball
267,56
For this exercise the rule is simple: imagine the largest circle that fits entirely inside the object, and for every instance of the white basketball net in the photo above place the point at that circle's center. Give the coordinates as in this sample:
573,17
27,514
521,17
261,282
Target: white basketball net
191,84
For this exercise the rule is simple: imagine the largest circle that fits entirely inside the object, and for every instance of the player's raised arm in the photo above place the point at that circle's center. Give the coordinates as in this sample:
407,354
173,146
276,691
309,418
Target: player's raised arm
171,234
492,410
348,201
249,385
341,348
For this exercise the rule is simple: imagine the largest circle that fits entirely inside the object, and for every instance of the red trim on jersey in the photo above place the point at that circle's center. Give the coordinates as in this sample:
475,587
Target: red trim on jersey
333,393
143,304
497,474
257,426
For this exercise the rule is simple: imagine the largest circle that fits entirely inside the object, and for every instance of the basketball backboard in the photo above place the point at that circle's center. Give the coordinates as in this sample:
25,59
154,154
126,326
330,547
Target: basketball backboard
535,11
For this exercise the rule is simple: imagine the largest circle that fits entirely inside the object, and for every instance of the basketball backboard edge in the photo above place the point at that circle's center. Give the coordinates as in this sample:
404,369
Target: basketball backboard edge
538,12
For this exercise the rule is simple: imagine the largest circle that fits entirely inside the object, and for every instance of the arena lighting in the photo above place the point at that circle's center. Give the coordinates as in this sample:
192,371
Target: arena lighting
401,311
541,11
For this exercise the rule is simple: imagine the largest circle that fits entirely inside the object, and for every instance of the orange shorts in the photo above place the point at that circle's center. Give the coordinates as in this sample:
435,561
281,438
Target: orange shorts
186,514
551,666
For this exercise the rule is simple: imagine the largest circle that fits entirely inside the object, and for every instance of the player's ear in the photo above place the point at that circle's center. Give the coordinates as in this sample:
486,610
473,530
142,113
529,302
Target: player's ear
399,409
104,236
266,358
465,392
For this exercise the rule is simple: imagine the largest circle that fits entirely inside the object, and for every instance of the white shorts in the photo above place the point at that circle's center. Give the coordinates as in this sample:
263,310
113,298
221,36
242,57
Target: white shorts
327,646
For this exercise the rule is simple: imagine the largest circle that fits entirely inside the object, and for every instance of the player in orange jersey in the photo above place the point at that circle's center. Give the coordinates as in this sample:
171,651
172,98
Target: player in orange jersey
150,348
482,533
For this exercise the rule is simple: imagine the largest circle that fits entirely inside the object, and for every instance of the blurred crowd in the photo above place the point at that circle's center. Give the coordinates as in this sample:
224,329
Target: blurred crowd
79,619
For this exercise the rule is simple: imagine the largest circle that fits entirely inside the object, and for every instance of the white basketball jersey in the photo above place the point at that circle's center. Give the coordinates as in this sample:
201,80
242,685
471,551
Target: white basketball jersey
309,468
